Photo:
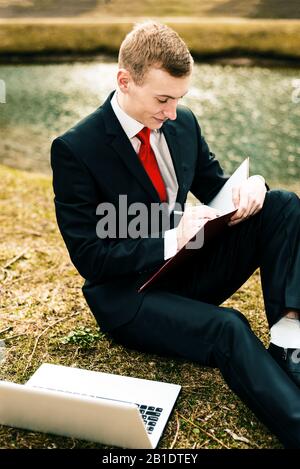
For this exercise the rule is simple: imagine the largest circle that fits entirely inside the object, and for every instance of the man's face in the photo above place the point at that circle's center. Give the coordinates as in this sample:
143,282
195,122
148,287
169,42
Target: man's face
155,101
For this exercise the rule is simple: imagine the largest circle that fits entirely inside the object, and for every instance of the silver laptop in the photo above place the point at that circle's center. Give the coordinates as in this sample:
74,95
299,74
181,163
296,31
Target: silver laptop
106,408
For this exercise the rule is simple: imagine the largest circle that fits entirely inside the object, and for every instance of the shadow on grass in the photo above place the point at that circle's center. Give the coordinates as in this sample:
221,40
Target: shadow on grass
46,8
274,9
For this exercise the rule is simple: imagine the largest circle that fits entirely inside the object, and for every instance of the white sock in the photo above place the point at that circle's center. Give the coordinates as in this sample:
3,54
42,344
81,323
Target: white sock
286,333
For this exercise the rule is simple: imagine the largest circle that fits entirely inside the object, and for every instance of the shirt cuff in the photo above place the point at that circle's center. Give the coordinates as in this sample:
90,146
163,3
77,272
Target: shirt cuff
170,237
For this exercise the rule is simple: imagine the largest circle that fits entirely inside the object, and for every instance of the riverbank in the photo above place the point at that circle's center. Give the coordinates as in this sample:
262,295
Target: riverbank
207,38
44,318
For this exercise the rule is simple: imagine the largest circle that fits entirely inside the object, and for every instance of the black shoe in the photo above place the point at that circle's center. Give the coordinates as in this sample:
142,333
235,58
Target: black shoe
288,359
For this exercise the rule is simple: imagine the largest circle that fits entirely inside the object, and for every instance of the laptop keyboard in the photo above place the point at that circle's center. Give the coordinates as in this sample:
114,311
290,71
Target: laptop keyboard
150,415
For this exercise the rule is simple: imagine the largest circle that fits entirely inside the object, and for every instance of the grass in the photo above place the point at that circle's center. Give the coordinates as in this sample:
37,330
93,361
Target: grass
211,28
269,38
44,318
121,8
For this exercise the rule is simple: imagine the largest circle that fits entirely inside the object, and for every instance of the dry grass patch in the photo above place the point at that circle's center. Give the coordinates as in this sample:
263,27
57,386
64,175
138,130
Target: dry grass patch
44,318
120,8
205,38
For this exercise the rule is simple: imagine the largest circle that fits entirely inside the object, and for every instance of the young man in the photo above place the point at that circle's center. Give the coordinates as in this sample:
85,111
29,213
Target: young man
142,145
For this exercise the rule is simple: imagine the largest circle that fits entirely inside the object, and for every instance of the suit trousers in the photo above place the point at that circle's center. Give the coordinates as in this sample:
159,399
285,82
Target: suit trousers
182,317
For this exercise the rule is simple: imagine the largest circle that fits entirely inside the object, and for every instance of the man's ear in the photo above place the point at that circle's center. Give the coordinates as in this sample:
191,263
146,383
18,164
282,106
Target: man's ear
123,79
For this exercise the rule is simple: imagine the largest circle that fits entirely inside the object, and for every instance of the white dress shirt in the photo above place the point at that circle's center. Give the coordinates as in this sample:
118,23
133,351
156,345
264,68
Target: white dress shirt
159,145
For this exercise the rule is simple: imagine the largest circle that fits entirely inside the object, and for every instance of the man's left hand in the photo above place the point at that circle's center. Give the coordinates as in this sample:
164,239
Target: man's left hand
248,198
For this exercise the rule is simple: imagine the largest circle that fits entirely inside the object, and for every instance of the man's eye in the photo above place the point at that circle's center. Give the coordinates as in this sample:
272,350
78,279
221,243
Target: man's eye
162,100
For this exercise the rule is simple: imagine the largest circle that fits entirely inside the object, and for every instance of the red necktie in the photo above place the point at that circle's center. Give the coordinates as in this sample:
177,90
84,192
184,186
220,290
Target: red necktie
147,157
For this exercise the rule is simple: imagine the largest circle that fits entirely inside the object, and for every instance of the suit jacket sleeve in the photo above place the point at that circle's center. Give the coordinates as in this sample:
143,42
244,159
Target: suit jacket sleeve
76,199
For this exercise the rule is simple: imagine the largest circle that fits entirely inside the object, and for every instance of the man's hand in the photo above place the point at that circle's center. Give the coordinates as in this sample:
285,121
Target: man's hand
248,198
193,218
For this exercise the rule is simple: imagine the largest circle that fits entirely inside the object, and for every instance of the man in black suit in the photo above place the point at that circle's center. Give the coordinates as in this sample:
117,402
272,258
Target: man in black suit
142,146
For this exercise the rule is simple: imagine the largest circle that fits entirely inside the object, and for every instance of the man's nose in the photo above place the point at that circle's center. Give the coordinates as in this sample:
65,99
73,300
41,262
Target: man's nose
170,110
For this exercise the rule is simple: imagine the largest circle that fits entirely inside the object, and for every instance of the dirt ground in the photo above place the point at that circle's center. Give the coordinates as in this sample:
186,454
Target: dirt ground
95,8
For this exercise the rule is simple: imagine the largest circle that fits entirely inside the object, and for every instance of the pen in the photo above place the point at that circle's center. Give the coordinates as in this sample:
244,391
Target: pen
178,212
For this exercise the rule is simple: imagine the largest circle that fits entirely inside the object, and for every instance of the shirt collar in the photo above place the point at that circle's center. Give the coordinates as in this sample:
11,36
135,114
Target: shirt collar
130,126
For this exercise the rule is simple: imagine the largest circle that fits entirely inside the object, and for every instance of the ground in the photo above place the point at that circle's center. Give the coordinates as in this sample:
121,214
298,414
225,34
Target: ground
204,8
44,318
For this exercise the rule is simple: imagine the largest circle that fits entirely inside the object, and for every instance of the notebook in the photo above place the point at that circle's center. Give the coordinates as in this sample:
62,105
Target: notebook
210,228
106,408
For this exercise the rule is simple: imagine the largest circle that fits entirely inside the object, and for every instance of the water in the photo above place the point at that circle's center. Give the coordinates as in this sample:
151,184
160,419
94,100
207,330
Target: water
243,111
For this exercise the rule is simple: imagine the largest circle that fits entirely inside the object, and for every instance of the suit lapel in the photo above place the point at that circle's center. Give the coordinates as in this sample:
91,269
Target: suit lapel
170,133
121,144
123,147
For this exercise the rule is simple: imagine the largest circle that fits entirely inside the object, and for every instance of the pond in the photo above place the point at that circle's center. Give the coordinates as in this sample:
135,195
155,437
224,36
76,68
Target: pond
243,111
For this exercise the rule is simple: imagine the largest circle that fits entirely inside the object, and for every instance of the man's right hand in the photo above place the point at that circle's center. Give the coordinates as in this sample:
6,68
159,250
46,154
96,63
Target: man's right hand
193,218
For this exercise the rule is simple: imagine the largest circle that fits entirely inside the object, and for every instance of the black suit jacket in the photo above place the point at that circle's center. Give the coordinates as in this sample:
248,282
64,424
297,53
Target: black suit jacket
94,162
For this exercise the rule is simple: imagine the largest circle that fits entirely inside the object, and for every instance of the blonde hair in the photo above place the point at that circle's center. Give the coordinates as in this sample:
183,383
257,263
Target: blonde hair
153,44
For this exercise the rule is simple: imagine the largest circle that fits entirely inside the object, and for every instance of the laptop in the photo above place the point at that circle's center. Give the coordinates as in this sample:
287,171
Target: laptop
110,409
